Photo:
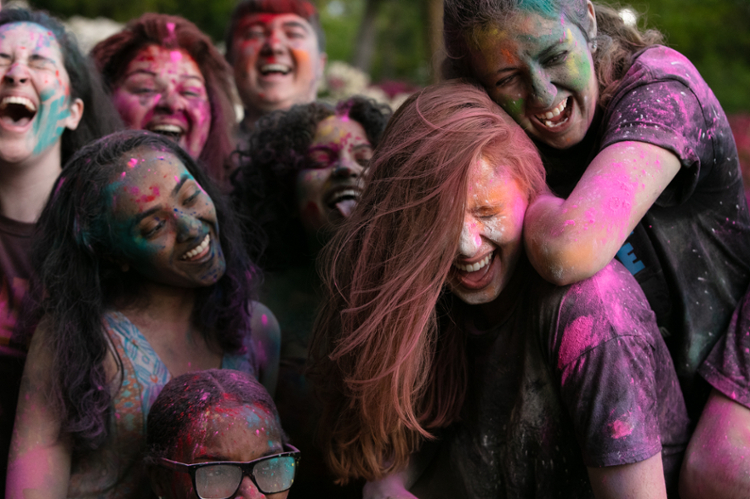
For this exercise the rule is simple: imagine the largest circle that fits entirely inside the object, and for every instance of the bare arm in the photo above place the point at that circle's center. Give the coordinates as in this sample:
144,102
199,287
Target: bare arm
717,460
39,460
642,480
266,337
570,240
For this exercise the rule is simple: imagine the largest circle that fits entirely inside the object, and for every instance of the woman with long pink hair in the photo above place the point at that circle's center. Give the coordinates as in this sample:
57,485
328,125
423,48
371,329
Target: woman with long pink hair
435,327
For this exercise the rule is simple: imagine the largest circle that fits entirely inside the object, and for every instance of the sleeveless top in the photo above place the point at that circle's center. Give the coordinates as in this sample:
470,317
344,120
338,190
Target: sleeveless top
116,470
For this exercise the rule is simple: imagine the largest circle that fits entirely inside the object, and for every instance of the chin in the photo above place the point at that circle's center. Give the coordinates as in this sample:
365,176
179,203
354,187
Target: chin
476,296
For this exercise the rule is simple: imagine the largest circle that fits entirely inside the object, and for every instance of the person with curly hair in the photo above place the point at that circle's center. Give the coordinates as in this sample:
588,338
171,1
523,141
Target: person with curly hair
300,180
218,415
435,329
52,103
143,275
166,76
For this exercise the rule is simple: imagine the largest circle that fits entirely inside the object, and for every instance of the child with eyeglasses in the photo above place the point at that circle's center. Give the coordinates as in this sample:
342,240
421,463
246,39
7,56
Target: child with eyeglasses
216,434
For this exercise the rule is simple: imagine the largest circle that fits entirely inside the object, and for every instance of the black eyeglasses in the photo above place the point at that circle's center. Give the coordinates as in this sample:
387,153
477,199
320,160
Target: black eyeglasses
222,479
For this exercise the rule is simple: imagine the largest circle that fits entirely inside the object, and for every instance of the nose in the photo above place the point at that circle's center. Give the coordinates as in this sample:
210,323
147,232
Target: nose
170,100
272,43
471,239
347,168
543,91
248,490
188,226
17,74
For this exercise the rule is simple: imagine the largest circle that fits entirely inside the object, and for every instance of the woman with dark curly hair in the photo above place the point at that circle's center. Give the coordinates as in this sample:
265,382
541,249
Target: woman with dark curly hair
300,180
166,76
144,276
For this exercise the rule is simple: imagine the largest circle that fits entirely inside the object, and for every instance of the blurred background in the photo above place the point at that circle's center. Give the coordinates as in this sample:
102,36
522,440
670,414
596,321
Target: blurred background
389,48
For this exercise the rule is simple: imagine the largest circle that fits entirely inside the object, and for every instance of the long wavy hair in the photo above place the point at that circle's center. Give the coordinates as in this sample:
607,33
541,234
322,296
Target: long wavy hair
186,397
99,115
387,357
78,279
617,42
113,55
264,184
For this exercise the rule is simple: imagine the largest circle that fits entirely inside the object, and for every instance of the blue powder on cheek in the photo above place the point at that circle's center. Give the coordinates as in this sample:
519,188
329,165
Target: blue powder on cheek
545,8
51,132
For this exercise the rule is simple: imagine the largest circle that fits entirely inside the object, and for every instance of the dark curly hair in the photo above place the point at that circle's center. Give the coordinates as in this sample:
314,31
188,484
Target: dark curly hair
277,150
113,55
617,42
189,395
99,115
78,279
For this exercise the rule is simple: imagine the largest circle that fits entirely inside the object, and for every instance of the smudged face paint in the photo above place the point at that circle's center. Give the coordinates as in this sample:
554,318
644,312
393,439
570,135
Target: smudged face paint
541,71
491,241
227,432
277,62
163,223
164,91
35,104
328,191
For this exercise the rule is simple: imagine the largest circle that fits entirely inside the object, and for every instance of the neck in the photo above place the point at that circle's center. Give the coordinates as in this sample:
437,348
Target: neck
162,304
25,186
251,115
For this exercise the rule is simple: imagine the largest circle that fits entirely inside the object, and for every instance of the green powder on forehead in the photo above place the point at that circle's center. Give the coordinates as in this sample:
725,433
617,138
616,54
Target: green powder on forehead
545,8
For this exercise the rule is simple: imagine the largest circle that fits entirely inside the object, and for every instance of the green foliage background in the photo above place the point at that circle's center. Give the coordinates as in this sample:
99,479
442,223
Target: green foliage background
714,34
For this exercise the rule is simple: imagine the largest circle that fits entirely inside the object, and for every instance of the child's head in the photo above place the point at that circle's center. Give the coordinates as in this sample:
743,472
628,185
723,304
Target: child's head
212,416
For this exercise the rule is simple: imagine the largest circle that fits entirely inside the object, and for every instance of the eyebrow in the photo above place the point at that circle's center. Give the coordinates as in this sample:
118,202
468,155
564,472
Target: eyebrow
294,24
185,177
145,214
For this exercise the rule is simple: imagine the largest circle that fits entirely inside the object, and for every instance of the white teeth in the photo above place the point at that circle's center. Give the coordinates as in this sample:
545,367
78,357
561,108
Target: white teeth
475,266
198,249
18,100
166,128
346,193
281,68
555,112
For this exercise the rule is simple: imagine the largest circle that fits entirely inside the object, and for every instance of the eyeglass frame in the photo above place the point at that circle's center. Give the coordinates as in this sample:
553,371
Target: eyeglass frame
245,466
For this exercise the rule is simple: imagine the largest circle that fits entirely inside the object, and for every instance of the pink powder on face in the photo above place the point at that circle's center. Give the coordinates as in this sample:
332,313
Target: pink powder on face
264,320
132,162
175,55
620,429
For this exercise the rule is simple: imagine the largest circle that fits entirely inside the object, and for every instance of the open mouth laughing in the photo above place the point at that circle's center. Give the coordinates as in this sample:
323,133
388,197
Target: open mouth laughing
171,131
274,68
17,111
198,252
477,275
555,117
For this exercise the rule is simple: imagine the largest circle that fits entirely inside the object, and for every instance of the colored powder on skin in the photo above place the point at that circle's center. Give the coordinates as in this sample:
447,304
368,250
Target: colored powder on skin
544,8
264,320
175,55
132,162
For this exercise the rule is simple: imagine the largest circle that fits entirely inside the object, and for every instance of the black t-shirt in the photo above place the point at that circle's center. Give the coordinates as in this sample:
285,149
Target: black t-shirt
15,270
573,376
691,251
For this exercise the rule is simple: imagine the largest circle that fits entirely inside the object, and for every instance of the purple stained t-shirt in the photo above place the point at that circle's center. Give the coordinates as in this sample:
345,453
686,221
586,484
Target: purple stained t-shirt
727,368
570,377
691,251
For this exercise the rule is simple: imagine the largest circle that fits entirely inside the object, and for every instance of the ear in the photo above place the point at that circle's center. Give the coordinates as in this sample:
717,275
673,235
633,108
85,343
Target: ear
323,59
591,14
76,113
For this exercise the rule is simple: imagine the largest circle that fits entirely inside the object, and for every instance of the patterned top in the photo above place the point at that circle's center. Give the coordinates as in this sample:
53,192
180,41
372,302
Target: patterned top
116,470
